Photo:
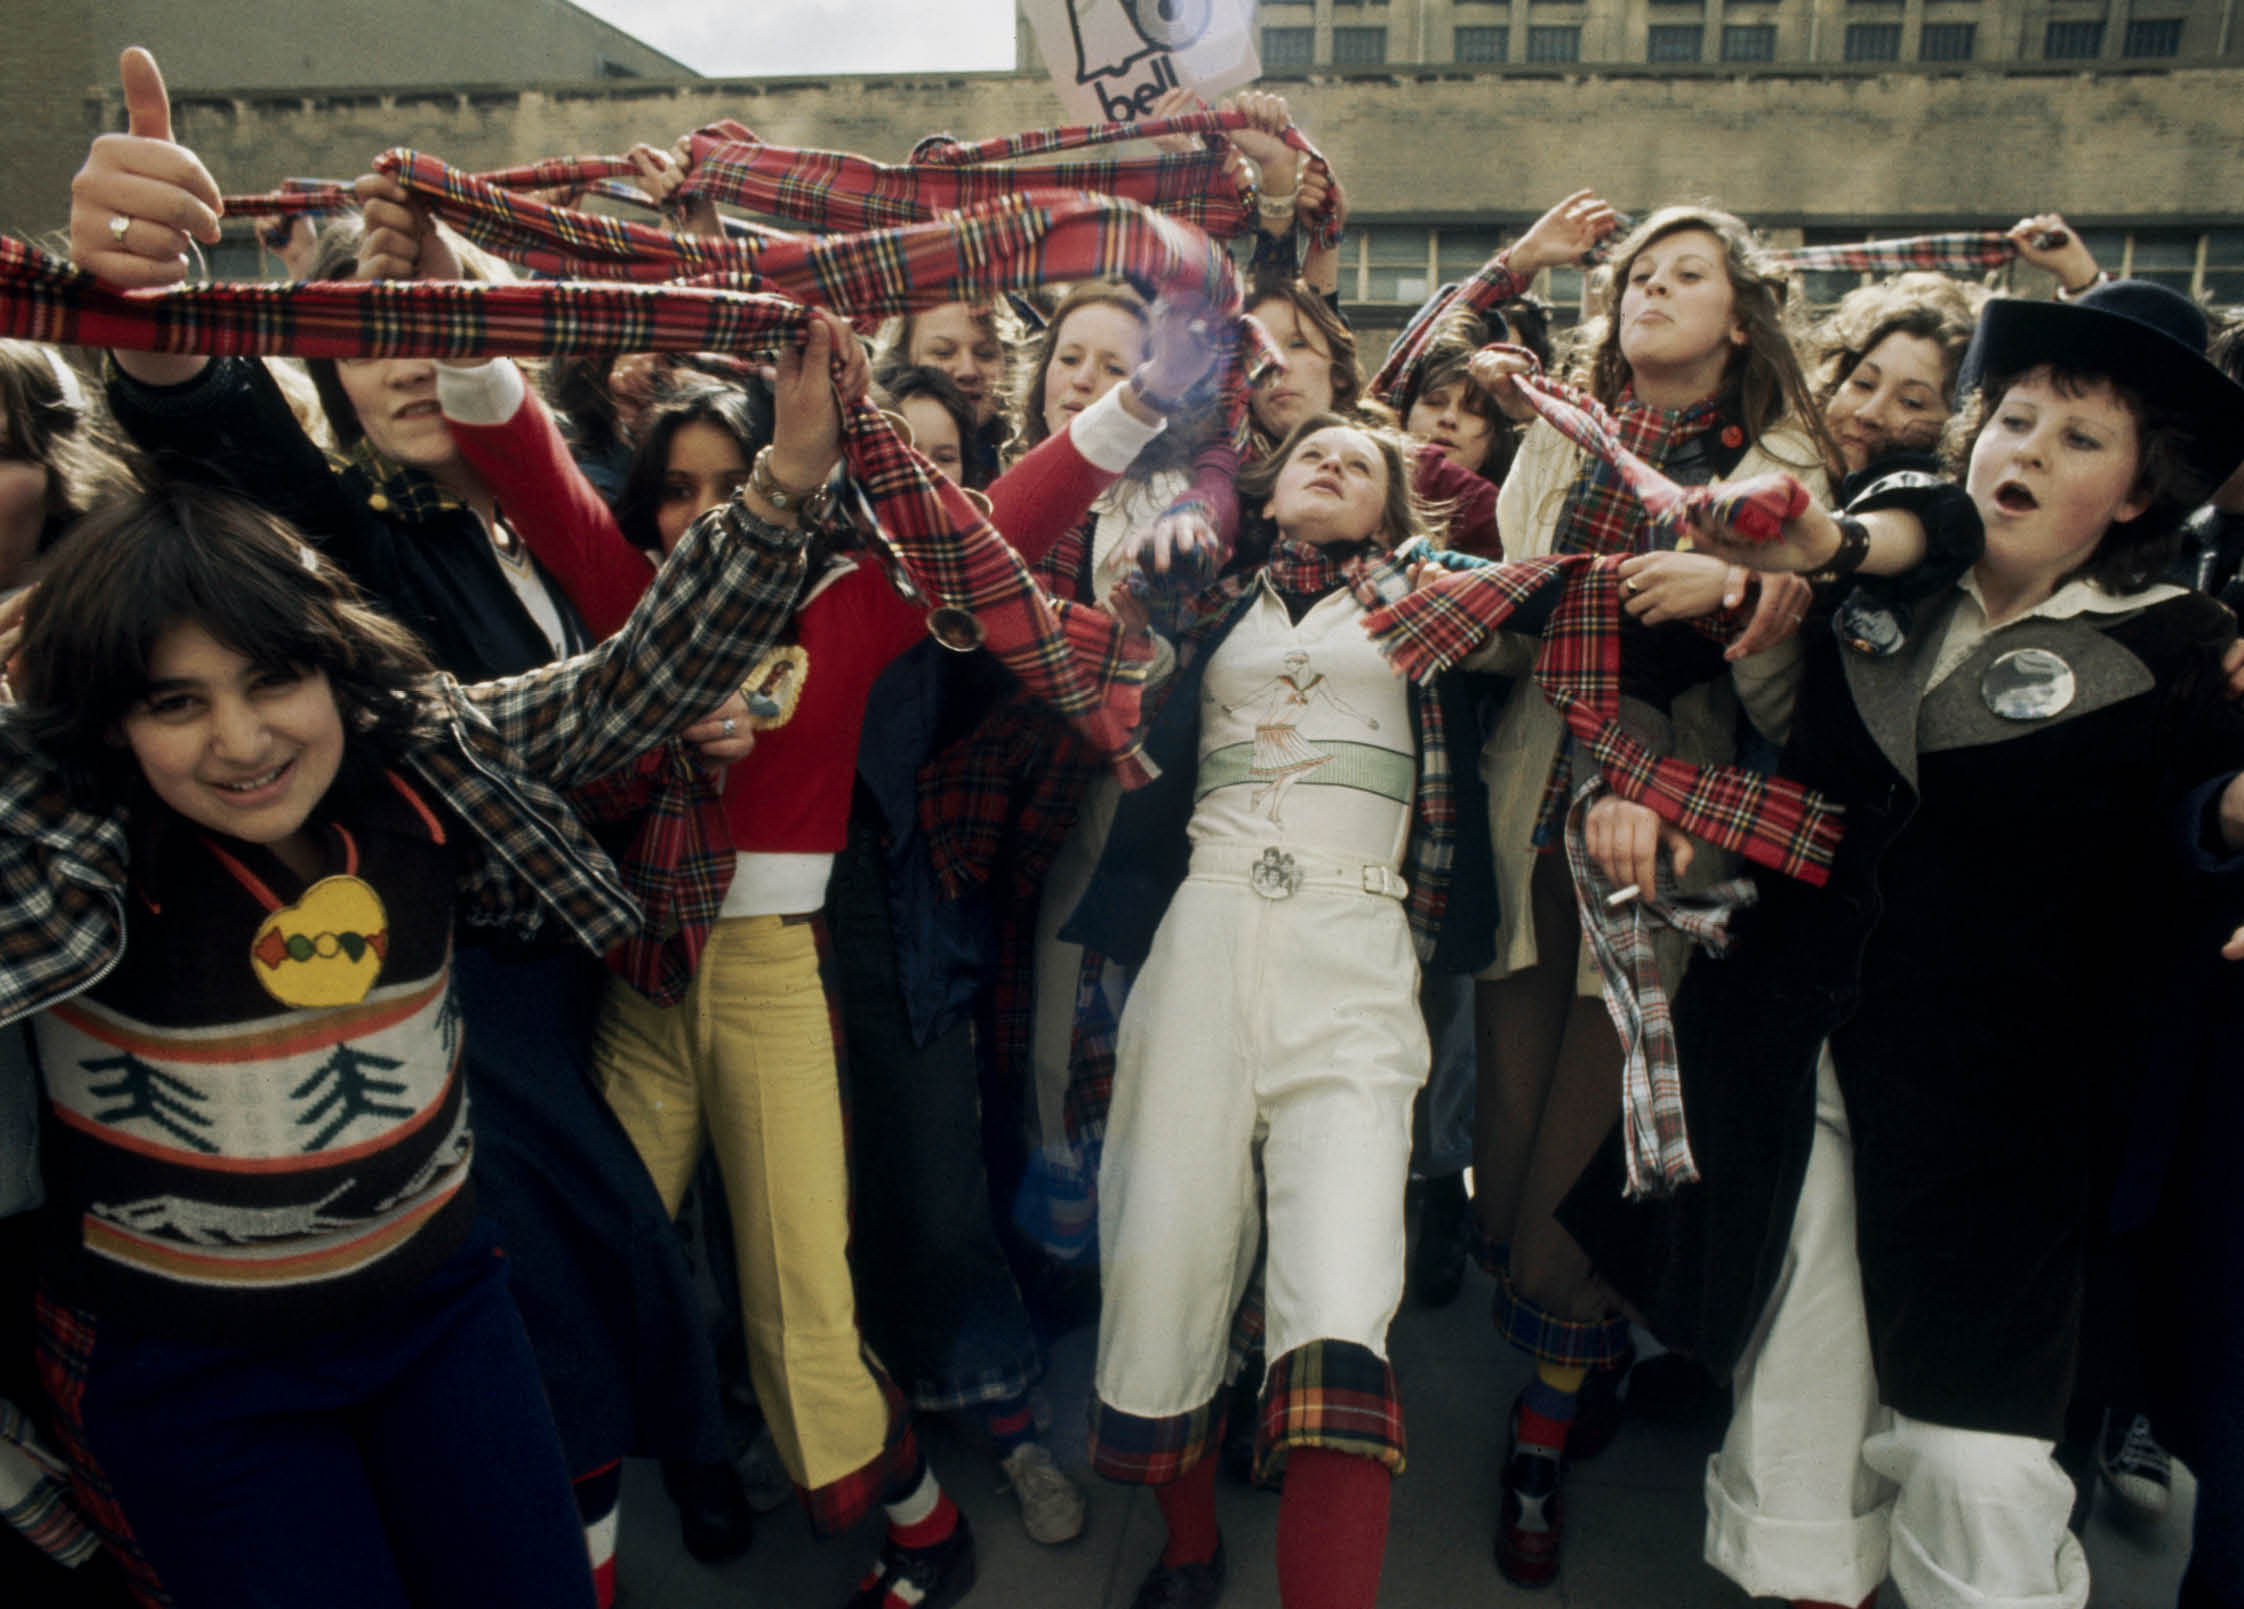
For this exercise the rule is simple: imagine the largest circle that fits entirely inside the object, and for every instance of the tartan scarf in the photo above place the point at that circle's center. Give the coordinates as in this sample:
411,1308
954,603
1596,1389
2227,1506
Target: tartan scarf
838,190
1603,513
1755,508
1770,820
35,1495
1075,658
410,493
1655,1141
1969,251
677,863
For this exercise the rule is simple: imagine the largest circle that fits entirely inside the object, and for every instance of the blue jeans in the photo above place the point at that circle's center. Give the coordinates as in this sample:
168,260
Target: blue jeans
409,1461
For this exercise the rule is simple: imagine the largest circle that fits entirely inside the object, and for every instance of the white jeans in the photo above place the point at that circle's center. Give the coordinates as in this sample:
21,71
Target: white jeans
1290,1021
1821,1492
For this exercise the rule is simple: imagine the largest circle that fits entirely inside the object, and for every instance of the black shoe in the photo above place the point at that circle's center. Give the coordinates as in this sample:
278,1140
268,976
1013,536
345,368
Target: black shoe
1437,1263
1597,1411
1530,1522
714,1519
941,1575
1182,1586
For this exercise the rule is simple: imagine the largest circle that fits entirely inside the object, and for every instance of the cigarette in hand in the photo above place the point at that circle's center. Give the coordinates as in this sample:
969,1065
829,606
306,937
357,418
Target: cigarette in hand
1621,896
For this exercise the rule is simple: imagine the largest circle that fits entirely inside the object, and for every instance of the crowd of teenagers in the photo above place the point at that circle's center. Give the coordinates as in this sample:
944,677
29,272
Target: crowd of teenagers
525,941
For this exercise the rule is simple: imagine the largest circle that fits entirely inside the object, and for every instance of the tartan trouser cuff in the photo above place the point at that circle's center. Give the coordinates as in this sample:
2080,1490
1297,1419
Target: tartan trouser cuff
887,1477
1332,1394
1149,1452
1547,1338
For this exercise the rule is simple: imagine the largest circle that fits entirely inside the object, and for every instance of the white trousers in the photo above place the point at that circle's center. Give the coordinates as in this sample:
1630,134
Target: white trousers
1821,1492
1293,1022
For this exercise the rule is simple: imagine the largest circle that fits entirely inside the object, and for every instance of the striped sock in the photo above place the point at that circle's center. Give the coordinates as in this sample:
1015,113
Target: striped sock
1010,1422
1546,1407
925,1518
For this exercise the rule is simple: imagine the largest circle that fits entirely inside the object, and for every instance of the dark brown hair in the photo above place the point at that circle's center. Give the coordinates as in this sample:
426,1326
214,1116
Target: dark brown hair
48,417
1764,373
911,381
136,567
1316,313
741,414
2133,553
1931,307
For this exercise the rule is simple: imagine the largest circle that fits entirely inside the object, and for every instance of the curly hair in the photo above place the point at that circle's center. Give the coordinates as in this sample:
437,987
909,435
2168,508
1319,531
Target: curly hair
140,565
49,418
1931,307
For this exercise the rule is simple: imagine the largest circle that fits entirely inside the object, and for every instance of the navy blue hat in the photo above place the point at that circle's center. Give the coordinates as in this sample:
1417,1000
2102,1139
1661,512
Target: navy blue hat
2144,336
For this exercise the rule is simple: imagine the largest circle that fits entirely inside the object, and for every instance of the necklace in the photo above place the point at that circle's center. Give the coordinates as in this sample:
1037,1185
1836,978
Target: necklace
327,949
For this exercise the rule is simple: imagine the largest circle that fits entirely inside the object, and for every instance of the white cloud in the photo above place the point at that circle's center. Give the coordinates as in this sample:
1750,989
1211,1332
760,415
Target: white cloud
774,38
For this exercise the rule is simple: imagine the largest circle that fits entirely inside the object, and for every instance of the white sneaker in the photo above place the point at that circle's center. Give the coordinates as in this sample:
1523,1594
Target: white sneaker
1051,1504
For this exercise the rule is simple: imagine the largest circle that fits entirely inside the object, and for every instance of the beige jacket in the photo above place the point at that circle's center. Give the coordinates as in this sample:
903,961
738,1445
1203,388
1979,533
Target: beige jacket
1516,760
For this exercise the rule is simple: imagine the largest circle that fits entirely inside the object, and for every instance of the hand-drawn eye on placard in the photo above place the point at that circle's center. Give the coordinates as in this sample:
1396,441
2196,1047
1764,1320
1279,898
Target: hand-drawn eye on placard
1171,24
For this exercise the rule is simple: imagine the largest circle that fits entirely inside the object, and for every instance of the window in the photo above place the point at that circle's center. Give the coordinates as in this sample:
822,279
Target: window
1947,41
1289,47
1397,259
1674,42
1873,41
1359,47
1459,254
2153,36
1749,42
1554,44
2223,279
1483,44
2169,258
2073,41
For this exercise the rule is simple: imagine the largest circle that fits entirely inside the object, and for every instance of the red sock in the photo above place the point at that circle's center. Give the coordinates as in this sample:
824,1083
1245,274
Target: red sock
1540,1430
1188,1506
938,1525
1332,1529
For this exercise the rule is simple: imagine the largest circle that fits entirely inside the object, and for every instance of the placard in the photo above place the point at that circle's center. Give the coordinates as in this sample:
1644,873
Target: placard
1111,60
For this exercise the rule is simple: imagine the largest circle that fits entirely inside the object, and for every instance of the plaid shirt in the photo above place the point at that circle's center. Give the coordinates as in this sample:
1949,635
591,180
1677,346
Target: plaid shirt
496,752
1775,822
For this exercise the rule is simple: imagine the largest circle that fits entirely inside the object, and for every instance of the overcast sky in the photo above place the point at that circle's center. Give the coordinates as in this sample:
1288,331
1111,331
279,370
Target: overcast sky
762,38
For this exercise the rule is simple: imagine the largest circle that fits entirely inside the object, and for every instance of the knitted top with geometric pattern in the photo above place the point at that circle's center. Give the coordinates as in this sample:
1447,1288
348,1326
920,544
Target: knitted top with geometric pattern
257,1124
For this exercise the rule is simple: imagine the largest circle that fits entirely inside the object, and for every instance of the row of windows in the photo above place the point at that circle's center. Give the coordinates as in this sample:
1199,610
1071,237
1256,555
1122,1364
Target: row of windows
1403,264
1284,48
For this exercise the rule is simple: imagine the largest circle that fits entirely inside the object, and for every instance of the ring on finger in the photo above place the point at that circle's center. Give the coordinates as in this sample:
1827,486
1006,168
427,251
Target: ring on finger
1632,586
728,726
117,227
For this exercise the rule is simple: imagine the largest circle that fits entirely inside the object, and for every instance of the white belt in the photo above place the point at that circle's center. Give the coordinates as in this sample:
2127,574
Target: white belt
1279,872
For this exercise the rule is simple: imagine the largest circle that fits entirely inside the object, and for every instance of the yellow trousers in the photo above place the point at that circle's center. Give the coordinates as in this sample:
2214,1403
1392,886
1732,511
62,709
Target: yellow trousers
748,1058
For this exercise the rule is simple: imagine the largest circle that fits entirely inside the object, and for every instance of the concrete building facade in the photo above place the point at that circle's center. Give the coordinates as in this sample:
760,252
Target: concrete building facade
1443,159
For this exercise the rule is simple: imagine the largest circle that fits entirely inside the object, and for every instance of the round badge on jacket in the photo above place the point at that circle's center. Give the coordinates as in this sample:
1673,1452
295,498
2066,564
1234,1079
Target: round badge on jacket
2028,684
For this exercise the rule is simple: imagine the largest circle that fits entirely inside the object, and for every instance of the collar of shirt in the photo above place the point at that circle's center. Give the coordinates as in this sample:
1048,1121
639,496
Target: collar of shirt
1967,625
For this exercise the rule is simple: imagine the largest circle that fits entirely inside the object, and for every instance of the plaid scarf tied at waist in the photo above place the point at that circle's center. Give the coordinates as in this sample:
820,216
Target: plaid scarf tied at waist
1770,820
1656,1144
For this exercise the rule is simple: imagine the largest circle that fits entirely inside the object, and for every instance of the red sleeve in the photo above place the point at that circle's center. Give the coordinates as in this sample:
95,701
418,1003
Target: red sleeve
1215,482
1472,518
1045,495
556,512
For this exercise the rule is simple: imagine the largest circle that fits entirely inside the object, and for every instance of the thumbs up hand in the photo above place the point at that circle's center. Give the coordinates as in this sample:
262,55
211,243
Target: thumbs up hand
140,200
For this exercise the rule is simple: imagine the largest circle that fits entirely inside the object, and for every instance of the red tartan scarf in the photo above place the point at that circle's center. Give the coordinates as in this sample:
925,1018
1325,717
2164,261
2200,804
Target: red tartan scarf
838,190
1603,513
678,863
1075,658
1756,508
1770,820
1970,251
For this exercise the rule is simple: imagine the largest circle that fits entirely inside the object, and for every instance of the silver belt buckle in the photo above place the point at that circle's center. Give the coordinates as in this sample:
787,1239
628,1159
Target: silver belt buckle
1275,876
